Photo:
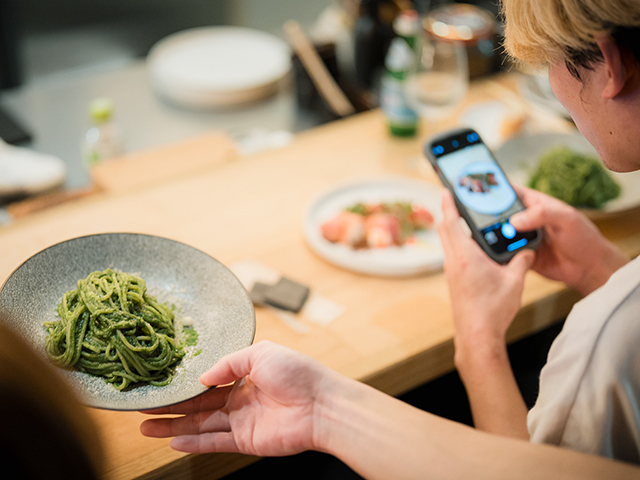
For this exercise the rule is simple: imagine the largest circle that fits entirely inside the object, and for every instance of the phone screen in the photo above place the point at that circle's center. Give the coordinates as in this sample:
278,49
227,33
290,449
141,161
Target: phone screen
481,186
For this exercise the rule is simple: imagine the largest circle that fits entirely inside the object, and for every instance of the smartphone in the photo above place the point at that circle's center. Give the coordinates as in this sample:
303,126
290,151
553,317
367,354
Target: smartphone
483,195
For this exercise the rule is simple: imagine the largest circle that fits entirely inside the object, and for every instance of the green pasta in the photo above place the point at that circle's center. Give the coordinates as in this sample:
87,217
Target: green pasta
579,180
110,327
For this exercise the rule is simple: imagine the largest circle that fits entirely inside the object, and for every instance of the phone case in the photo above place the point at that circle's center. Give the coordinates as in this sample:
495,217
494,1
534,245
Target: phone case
501,258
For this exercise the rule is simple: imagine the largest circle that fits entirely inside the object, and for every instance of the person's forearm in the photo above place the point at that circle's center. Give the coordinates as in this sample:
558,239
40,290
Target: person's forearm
496,402
381,437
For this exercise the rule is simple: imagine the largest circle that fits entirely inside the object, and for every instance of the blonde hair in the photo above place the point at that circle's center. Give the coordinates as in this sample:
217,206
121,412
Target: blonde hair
540,32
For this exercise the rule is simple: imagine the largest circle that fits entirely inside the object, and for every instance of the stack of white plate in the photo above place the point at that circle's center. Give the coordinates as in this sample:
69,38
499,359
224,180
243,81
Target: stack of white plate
218,66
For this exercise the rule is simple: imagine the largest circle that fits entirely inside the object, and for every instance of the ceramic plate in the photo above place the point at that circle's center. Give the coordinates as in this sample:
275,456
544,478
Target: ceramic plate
199,286
424,256
519,157
218,66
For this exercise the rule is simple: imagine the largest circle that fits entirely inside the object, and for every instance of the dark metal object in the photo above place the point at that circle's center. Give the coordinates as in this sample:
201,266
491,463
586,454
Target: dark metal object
10,73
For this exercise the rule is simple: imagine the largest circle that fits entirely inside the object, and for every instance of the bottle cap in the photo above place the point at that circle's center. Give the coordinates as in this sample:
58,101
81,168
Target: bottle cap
101,109
407,23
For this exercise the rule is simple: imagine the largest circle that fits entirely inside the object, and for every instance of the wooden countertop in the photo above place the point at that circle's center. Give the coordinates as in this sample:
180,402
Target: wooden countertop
395,334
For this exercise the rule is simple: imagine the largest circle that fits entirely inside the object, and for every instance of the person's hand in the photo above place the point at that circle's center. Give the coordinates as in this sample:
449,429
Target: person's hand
270,410
485,295
573,250
485,298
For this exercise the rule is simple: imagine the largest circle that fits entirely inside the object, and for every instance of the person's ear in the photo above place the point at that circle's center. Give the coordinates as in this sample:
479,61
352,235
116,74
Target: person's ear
619,67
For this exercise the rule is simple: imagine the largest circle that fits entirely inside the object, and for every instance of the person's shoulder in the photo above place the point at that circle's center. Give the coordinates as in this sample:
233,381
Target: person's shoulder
620,334
612,299
605,324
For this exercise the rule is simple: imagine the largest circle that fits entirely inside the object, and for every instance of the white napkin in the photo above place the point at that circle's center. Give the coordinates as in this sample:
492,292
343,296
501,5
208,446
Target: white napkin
317,309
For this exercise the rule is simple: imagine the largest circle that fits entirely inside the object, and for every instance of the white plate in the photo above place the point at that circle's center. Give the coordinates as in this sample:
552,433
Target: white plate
520,155
424,256
218,66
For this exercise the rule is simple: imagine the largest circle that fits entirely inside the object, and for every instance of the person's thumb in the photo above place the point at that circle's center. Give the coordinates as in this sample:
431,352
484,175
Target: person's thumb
522,262
229,368
521,221
534,217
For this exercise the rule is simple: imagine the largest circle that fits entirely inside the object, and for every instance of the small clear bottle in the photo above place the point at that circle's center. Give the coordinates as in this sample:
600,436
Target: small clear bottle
104,140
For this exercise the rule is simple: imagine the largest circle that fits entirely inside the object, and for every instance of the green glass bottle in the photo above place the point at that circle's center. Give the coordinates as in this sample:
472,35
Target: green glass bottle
401,118
403,121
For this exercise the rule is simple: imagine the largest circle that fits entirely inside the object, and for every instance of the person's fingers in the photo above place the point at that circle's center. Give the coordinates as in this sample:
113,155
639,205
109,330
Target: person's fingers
201,422
521,262
212,399
547,213
542,210
536,216
521,191
457,244
529,195
450,228
205,443
228,369
449,210
233,366
445,241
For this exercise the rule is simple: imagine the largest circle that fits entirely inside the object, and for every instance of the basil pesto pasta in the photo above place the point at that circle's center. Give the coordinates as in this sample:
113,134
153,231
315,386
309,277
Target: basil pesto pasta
110,327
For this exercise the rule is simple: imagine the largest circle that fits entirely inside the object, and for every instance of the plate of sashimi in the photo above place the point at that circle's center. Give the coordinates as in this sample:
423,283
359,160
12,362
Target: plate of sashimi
381,226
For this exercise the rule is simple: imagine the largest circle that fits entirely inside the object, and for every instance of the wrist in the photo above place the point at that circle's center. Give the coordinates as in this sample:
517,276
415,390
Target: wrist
351,414
333,410
478,353
370,431
592,279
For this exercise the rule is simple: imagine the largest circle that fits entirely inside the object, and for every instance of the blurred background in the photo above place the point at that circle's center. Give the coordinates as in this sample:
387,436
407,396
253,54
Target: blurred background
54,36
56,56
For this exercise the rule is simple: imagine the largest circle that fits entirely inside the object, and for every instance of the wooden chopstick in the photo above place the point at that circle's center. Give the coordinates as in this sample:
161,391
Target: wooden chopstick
320,76
50,199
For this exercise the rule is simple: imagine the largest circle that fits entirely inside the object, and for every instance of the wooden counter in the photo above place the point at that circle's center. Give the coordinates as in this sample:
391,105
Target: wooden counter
395,334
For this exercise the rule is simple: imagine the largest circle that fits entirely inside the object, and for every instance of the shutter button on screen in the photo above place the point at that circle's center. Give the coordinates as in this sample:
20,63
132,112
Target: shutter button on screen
508,230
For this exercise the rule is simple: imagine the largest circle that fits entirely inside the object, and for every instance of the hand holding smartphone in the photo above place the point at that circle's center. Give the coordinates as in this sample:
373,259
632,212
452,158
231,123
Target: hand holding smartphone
483,195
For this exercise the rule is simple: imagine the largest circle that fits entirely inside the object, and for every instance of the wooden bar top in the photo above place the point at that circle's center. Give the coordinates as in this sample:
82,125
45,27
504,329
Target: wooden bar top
395,333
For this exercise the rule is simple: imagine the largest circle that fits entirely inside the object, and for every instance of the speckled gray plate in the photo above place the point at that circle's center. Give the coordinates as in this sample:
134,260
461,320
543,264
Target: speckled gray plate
199,286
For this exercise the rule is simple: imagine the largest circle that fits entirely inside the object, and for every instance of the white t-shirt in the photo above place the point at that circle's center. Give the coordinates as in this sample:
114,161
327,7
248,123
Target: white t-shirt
589,397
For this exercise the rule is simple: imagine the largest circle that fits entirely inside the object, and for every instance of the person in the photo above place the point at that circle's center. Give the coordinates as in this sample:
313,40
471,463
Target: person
589,396
287,403
46,434
279,402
